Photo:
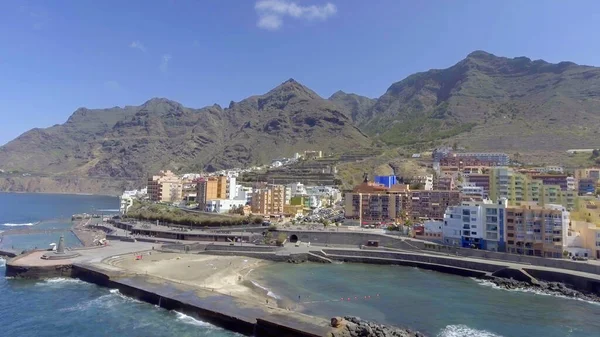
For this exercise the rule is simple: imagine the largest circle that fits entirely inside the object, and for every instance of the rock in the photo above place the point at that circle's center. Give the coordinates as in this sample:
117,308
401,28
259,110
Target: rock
355,327
336,321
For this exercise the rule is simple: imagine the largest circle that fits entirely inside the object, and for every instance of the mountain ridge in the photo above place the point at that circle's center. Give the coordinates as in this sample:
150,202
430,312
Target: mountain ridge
483,102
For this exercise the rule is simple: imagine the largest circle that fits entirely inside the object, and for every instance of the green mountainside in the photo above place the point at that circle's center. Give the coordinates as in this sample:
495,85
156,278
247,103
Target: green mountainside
126,144
483,102
490,102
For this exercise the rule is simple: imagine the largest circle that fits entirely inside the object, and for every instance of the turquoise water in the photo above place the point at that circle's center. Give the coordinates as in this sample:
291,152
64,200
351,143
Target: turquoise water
72,308
434,303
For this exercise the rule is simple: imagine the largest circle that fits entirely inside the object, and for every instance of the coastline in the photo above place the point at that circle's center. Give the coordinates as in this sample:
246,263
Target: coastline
62,193
226,275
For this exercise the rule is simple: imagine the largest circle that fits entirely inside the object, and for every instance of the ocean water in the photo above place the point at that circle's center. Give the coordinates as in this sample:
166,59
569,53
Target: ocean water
72,308
434,303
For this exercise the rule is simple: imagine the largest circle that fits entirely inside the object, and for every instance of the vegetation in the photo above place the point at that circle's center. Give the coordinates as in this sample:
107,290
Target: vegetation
173,215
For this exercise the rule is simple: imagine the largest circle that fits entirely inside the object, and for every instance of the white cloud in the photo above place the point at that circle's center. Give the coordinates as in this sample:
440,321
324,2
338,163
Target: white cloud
164,64
271,12
137,45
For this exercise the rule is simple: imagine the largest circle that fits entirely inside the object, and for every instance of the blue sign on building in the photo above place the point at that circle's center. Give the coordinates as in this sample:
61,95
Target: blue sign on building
386,181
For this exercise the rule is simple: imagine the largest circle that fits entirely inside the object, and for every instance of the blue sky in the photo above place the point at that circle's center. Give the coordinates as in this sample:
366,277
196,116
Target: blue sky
56,56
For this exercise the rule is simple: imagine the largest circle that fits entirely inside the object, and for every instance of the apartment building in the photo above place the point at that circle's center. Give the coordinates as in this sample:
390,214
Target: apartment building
431,204
447,183
372,202
269,200
476,224
471,191
213,188
480,180
165,187
587,186
537,231
553,179
496,158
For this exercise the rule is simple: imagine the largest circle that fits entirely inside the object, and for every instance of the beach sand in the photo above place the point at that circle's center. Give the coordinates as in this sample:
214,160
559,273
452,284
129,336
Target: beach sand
228,275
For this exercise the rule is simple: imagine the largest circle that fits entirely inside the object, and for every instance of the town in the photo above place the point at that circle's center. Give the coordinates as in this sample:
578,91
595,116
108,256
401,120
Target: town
483,201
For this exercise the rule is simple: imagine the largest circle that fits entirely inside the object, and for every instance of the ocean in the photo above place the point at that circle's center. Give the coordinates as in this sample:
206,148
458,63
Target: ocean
434,303
72,308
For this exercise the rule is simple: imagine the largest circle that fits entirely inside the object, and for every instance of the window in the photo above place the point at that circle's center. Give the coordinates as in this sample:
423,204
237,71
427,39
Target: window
473,233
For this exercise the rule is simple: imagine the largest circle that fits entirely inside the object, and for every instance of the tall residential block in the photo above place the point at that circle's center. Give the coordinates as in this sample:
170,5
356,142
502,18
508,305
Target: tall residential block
431,204
372,202
165,187
475,224
269,200
211,188
537,231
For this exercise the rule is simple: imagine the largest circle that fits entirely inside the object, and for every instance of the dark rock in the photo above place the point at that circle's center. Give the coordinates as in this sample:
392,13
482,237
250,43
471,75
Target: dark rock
355,327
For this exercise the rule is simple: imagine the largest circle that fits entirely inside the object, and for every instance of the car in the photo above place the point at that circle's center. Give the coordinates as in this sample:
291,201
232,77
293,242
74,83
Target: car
579,258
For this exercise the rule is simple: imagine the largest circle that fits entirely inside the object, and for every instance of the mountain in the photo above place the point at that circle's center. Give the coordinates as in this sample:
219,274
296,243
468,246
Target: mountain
483,102
123,145
491,103
354,105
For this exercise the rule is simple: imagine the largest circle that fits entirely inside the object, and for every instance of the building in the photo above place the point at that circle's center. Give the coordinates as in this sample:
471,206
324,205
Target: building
553,179
268,200
428,186
589,235
537,231
470,191
296,189
313,154
189,190
165,187
431,204
571,183
445,184
223,205
480,180
432,231
216,187
371,203
386,181
475,224
498,159
587,186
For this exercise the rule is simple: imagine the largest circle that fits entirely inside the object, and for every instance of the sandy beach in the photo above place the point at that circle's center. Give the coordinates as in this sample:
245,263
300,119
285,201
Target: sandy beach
229,275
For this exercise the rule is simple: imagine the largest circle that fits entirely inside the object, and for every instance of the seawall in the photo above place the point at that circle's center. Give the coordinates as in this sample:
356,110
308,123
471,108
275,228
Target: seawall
221,310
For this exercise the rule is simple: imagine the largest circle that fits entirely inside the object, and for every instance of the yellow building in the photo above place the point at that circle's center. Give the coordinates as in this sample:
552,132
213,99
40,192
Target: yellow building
590,236
211,188
293,210
269,200
165,187
518,188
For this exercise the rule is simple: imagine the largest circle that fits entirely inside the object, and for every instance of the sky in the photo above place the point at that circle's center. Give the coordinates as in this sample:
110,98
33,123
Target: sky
59,55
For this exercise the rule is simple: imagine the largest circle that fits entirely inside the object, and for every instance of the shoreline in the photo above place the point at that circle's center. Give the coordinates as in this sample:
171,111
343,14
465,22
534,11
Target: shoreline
62,193
225,275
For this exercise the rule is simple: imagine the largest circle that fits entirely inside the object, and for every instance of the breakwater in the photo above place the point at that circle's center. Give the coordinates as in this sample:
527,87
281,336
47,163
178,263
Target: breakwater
221,310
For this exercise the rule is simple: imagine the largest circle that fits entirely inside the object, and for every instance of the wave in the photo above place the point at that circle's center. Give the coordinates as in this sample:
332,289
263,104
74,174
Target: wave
490,284
269,292
191,320
108,210
19,224
60,281
2,263
464,331
112,299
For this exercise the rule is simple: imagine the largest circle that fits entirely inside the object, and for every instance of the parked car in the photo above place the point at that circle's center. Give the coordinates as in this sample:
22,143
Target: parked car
579,258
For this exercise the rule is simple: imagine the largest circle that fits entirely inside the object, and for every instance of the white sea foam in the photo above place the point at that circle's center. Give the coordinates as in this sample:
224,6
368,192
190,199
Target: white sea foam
108,210
269,292
464,331
487,283
2,262
107,301
60,281
19,224
190,320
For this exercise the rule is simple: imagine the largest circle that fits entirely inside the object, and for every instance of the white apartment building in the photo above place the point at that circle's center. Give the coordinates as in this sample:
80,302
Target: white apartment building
296,189
571,184
223,205
472,191
475,224
428,186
